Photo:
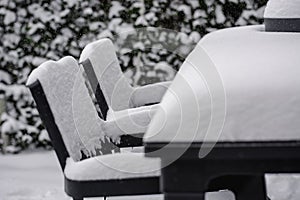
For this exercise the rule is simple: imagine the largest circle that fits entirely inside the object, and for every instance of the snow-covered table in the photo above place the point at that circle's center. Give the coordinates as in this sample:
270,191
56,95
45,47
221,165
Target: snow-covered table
233,108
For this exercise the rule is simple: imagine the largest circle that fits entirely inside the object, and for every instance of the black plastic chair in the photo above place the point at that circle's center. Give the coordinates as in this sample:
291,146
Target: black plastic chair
78,189
112,90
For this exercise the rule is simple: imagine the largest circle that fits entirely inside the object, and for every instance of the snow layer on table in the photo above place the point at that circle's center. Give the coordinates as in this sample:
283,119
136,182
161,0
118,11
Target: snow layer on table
116,88
260,75
113,166
71,105
282,9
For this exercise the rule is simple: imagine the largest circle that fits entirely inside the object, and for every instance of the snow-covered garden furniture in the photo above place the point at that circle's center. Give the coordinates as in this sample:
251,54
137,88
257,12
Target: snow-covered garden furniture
112,90
78,135
231,115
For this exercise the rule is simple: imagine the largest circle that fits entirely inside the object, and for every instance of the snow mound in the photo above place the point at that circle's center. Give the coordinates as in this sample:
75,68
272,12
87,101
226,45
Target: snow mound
259,72
282,9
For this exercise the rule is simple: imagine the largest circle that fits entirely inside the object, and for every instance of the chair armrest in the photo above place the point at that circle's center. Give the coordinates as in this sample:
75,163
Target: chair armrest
128,126
149,94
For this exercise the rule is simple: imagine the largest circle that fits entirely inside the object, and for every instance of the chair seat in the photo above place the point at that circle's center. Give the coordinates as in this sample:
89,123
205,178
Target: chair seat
112,167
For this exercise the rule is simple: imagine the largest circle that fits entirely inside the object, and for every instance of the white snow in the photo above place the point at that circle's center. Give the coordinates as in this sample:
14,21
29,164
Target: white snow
37,176
134,120
220,17
116,89
151,93
115,9
199,14
88,11
119,94
10,125
31,176
35,27
260,75
141,21
9,17
113,166
282,9
66,93
44,136
185,9
194,36
75,114
71,3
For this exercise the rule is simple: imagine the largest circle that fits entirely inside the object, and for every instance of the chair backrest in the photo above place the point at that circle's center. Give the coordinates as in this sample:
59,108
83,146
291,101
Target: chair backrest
67,109
102,68
49,122
95,87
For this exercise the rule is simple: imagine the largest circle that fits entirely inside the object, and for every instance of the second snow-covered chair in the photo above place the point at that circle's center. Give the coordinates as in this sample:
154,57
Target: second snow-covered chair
117,99
77,132
102,67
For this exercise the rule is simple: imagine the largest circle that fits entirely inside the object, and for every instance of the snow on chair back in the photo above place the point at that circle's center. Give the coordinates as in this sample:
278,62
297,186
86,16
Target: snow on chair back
71,106
101,57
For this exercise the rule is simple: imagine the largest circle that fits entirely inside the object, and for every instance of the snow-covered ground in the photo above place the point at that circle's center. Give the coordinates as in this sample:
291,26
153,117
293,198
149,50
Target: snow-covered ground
31,175
37,176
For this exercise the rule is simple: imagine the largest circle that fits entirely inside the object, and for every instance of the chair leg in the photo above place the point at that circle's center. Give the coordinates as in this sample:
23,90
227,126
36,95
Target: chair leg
250,187
185,196
245,187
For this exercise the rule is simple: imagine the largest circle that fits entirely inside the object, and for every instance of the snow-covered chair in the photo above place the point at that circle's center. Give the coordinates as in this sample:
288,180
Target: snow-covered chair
115,96
112,89
78,135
